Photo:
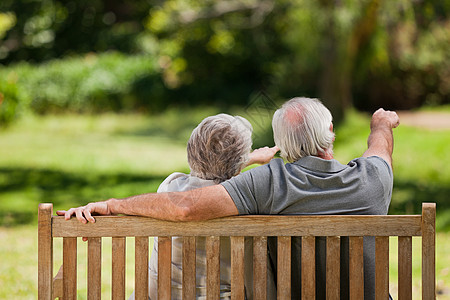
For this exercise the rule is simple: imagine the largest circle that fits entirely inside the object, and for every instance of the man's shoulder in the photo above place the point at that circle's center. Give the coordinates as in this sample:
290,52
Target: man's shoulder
374,162
376,170
256,175
276,163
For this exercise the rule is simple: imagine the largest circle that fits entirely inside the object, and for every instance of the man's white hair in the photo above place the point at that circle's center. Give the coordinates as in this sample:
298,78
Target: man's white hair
301,127
219,147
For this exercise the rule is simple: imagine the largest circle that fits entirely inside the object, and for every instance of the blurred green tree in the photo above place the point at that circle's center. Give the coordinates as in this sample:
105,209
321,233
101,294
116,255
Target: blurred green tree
350,53
46,29
365,54
407,63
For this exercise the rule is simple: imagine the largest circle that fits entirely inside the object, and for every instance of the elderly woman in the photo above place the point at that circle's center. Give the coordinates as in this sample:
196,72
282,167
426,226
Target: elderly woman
218,149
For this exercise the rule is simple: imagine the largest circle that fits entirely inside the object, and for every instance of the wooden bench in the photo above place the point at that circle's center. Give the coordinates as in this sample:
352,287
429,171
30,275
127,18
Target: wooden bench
260,227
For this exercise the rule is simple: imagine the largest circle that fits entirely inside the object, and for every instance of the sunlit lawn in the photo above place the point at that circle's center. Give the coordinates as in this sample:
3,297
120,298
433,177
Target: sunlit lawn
71,160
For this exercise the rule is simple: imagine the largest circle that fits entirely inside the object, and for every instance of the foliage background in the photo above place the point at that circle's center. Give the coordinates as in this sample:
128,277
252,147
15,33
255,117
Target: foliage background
97,98
363,54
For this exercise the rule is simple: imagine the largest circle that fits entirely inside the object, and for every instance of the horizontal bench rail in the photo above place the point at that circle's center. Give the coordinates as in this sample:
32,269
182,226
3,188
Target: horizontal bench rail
117,226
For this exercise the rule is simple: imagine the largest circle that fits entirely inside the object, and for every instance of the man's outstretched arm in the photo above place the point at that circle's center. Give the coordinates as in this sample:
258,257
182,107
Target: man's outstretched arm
381,140
199,204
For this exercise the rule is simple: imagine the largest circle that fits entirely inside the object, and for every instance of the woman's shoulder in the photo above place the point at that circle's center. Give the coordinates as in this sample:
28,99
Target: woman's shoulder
179,182
166,184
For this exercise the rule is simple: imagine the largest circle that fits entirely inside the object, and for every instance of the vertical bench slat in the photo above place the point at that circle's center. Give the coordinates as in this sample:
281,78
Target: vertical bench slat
333,268
189,259
308,267
118,268
164,267
212,267
141,267
45,251
382,267
69,268
94,268
284,268
259,268
356,268
428,251
237,267
404,267
58,284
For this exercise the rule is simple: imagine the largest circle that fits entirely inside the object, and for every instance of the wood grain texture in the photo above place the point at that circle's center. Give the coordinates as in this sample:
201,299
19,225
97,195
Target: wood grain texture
405,267
45,251
164,267
429,251
260,268
237,268
114,226
381,268
94,268
58,284
356,268
213,267
308,267
189,259
70,268
118,268
141,267
284,268
333,268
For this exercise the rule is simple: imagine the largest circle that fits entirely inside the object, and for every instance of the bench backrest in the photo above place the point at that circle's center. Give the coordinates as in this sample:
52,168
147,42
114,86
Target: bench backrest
259,227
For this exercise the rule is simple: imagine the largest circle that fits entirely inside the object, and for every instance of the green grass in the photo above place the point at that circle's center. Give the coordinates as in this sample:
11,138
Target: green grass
439,108
70,160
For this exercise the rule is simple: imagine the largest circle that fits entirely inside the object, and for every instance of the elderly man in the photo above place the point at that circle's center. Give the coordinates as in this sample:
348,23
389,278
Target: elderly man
311,183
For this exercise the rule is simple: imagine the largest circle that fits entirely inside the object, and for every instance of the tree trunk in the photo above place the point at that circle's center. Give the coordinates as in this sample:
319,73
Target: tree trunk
339,55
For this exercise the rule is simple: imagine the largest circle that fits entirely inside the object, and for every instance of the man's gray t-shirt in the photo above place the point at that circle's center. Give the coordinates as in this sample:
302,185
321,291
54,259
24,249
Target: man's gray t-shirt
314,186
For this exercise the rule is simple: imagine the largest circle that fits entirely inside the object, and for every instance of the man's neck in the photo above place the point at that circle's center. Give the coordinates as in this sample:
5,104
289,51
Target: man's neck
327,155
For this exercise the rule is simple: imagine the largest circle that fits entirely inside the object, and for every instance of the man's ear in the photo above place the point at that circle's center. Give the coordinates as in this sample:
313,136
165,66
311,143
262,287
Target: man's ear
331,129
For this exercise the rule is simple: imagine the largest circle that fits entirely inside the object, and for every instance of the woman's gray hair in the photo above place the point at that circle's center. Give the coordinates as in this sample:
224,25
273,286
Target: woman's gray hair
219,147
301,127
